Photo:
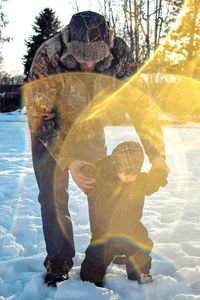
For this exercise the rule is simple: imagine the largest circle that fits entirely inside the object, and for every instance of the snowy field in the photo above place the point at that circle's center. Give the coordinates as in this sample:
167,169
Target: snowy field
172,217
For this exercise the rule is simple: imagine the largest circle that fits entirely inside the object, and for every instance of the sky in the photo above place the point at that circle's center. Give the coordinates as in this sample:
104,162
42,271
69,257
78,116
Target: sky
21,16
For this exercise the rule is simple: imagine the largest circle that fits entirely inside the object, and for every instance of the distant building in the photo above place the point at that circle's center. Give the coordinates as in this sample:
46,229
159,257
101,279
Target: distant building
10,97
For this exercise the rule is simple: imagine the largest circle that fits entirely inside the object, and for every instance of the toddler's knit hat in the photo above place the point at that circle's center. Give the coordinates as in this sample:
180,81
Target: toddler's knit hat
128,157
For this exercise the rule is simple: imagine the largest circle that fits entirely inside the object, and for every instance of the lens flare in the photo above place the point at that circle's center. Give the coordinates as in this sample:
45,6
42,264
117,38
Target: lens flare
62,113
24,148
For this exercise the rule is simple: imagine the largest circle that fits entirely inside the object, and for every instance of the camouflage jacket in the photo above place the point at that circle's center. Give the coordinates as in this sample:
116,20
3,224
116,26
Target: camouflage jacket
54,102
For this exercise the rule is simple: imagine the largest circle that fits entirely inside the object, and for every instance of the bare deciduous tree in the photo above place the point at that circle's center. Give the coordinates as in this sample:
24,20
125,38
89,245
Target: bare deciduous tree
3,38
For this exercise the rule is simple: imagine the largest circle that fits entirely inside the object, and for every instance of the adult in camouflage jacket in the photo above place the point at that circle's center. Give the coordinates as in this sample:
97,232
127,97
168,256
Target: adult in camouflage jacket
53,103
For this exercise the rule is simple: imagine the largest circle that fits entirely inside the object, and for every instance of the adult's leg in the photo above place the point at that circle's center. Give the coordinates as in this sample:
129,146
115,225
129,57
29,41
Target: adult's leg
53,197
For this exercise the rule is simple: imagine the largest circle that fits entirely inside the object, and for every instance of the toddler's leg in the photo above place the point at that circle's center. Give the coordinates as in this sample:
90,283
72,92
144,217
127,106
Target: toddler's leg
139,262
96,261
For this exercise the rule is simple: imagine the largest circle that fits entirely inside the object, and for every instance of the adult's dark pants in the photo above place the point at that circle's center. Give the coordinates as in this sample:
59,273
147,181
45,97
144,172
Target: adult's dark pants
53,197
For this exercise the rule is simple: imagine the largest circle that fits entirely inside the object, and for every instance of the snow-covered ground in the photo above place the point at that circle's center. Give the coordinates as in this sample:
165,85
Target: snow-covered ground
172,216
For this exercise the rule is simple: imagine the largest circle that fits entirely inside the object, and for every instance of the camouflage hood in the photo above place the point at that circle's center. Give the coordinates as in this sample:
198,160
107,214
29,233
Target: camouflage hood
90,37
75,52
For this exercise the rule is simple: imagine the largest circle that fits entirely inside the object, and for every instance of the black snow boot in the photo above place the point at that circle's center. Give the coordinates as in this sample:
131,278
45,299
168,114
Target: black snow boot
143,276
57,271
100,284
140,278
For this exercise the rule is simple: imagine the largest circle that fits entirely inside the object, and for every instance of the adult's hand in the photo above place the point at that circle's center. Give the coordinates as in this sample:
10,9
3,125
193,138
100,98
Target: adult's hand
160,163
83,182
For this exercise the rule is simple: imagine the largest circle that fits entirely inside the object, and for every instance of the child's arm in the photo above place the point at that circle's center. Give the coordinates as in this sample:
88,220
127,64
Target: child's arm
153,180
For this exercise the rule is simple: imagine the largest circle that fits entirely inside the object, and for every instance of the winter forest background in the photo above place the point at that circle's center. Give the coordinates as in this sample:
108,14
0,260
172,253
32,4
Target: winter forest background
144,25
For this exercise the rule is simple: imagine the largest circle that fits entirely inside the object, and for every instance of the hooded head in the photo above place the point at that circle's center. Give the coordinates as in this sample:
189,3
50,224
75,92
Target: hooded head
128,158
89,37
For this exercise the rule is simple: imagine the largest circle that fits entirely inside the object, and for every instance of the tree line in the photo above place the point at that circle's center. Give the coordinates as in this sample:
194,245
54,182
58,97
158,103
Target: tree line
143,24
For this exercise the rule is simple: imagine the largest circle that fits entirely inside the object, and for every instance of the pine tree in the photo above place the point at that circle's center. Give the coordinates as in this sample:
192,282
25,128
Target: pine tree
173,9
46,25
179,57
182,49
